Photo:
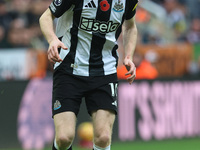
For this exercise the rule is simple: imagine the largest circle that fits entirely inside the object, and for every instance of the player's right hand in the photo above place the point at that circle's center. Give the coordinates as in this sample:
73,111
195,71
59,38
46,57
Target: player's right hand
52,52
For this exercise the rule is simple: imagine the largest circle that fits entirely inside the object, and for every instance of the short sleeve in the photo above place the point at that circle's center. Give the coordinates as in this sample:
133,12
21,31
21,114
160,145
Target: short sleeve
59,7
131,10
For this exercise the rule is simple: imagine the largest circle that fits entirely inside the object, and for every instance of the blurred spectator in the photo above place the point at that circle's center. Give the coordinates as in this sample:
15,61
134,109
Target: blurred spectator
158,1
193,7
145,70
193,35
3,41
18,35
152,26
19,25
37,8
194,68
5,16
151,29
176,18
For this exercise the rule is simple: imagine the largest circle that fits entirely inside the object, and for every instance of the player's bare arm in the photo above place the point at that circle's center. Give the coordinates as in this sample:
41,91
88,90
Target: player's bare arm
46,25
129,31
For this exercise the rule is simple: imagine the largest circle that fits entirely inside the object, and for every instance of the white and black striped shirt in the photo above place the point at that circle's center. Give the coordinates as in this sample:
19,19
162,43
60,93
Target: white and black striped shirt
90,28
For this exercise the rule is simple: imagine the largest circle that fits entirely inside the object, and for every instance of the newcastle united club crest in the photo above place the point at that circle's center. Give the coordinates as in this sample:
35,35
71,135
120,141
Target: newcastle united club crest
118,7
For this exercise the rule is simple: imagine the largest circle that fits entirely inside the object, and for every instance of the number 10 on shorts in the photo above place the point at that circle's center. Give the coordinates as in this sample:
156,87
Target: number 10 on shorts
113,87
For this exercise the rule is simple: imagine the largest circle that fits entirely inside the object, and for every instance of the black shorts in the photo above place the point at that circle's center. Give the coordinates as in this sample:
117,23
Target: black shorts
99,92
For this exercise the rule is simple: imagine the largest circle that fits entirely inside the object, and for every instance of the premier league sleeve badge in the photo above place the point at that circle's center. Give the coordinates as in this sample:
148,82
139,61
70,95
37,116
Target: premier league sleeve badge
57,2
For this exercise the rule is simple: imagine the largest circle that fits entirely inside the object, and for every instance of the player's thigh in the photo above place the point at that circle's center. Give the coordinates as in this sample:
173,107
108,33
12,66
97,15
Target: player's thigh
67,93
65,124
102,98
103,121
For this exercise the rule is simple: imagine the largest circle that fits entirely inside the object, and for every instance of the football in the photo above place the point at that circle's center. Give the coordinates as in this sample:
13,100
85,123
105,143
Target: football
85,131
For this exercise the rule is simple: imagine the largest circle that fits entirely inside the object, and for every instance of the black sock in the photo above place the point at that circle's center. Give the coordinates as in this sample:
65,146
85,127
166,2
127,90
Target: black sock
53,147
70,148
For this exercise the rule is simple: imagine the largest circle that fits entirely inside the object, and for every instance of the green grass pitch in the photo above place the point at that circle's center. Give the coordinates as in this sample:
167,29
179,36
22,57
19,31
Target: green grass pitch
176,144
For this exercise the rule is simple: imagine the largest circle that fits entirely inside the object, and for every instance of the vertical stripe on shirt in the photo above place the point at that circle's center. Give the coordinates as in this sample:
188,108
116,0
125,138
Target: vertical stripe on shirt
69,59
97,43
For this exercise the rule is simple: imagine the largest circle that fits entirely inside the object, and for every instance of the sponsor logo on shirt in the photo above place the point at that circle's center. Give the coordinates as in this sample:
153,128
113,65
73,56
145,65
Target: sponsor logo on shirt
98,26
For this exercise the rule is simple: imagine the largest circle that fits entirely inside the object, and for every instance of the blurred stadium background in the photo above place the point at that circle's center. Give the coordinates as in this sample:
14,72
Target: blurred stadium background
159,111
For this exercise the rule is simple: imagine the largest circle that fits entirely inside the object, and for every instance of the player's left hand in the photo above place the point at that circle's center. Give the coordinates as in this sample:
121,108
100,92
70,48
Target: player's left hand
130,66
